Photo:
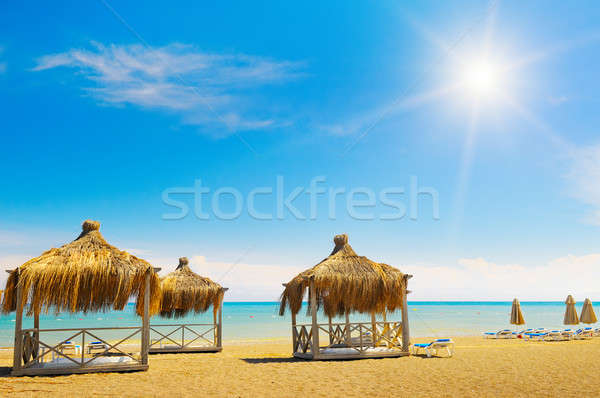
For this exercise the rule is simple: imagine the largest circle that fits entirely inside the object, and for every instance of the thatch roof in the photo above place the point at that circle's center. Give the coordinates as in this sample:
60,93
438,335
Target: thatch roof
87,274
345,281
184,291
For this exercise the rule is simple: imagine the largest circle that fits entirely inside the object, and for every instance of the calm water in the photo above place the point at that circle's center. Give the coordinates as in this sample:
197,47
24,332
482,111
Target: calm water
260,320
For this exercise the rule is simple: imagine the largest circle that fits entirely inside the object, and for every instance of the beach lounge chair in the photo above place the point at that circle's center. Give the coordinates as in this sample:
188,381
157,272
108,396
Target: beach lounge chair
67,345
96,346
585,333
537,336
556,335
569,334
521,334
434,346
501,334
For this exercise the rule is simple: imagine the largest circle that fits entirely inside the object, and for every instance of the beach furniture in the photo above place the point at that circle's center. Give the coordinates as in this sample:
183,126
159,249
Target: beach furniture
569,334
516,316
583,333
95,346
341,284
85,275
537,336
433,347
184,292
521,334
501,334
571,317
588,315
556,335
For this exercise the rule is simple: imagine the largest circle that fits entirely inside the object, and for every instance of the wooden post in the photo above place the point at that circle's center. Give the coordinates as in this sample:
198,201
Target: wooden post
405,331
36,333
220,326
146,320
374,327
294,333
330,331
18,345
348,339
315,325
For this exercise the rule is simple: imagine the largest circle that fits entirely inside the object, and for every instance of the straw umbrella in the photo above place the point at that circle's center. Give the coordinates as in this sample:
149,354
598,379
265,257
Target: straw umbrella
570,312
183,291
587,312
516,316
345,282
85,275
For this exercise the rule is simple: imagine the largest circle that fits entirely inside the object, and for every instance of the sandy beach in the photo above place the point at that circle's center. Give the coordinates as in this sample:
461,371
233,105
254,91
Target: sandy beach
505,368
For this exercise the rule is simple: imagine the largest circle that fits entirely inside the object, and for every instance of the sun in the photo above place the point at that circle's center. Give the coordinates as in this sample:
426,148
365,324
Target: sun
481,78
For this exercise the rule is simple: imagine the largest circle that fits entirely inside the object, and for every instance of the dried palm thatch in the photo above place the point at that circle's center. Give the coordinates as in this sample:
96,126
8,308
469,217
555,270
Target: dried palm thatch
587,312
87,274
184,291
570,312
346,282
516,316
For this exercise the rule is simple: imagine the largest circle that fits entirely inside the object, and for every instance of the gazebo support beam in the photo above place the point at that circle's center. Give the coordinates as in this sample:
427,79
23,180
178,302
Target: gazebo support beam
220,326
374,327
146,320
18,346
330,330
315,325
405,329
36,333
347,337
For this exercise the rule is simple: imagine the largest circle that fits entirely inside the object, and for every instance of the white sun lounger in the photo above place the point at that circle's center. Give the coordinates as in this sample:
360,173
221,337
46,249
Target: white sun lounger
434,346
501,334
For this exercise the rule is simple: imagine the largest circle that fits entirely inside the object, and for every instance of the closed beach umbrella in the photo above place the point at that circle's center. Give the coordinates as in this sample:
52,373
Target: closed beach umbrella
516,316
587,312
570,312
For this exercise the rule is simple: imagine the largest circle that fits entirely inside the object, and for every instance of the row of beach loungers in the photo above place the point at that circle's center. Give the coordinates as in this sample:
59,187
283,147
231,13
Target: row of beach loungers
543,334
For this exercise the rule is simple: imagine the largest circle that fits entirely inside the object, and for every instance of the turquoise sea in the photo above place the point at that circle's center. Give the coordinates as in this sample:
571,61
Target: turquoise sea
258,320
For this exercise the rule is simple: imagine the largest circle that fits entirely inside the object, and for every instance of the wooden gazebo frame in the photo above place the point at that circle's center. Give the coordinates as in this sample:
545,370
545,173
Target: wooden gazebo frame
85,275
30,349
343,283
395,336
175,336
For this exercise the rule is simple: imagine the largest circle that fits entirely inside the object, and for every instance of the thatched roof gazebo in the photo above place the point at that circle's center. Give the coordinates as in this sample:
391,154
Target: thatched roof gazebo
341,284
183,292
86,275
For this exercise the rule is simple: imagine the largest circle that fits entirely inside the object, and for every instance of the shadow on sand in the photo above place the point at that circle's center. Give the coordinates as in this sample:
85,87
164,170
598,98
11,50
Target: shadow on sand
273,360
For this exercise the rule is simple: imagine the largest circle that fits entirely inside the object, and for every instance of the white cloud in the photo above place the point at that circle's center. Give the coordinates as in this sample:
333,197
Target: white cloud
558,100
202,88
479,279
246,282
584,178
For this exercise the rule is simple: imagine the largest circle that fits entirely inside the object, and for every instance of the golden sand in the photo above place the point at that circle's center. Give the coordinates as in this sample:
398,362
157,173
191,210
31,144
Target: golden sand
498,368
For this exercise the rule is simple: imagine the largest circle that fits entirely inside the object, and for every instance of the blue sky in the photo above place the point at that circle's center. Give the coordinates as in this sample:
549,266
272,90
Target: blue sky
106,105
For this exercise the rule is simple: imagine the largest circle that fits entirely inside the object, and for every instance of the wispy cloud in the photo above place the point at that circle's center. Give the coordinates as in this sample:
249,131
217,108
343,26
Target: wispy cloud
478,278
204,89
583,177
246,282
558,100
